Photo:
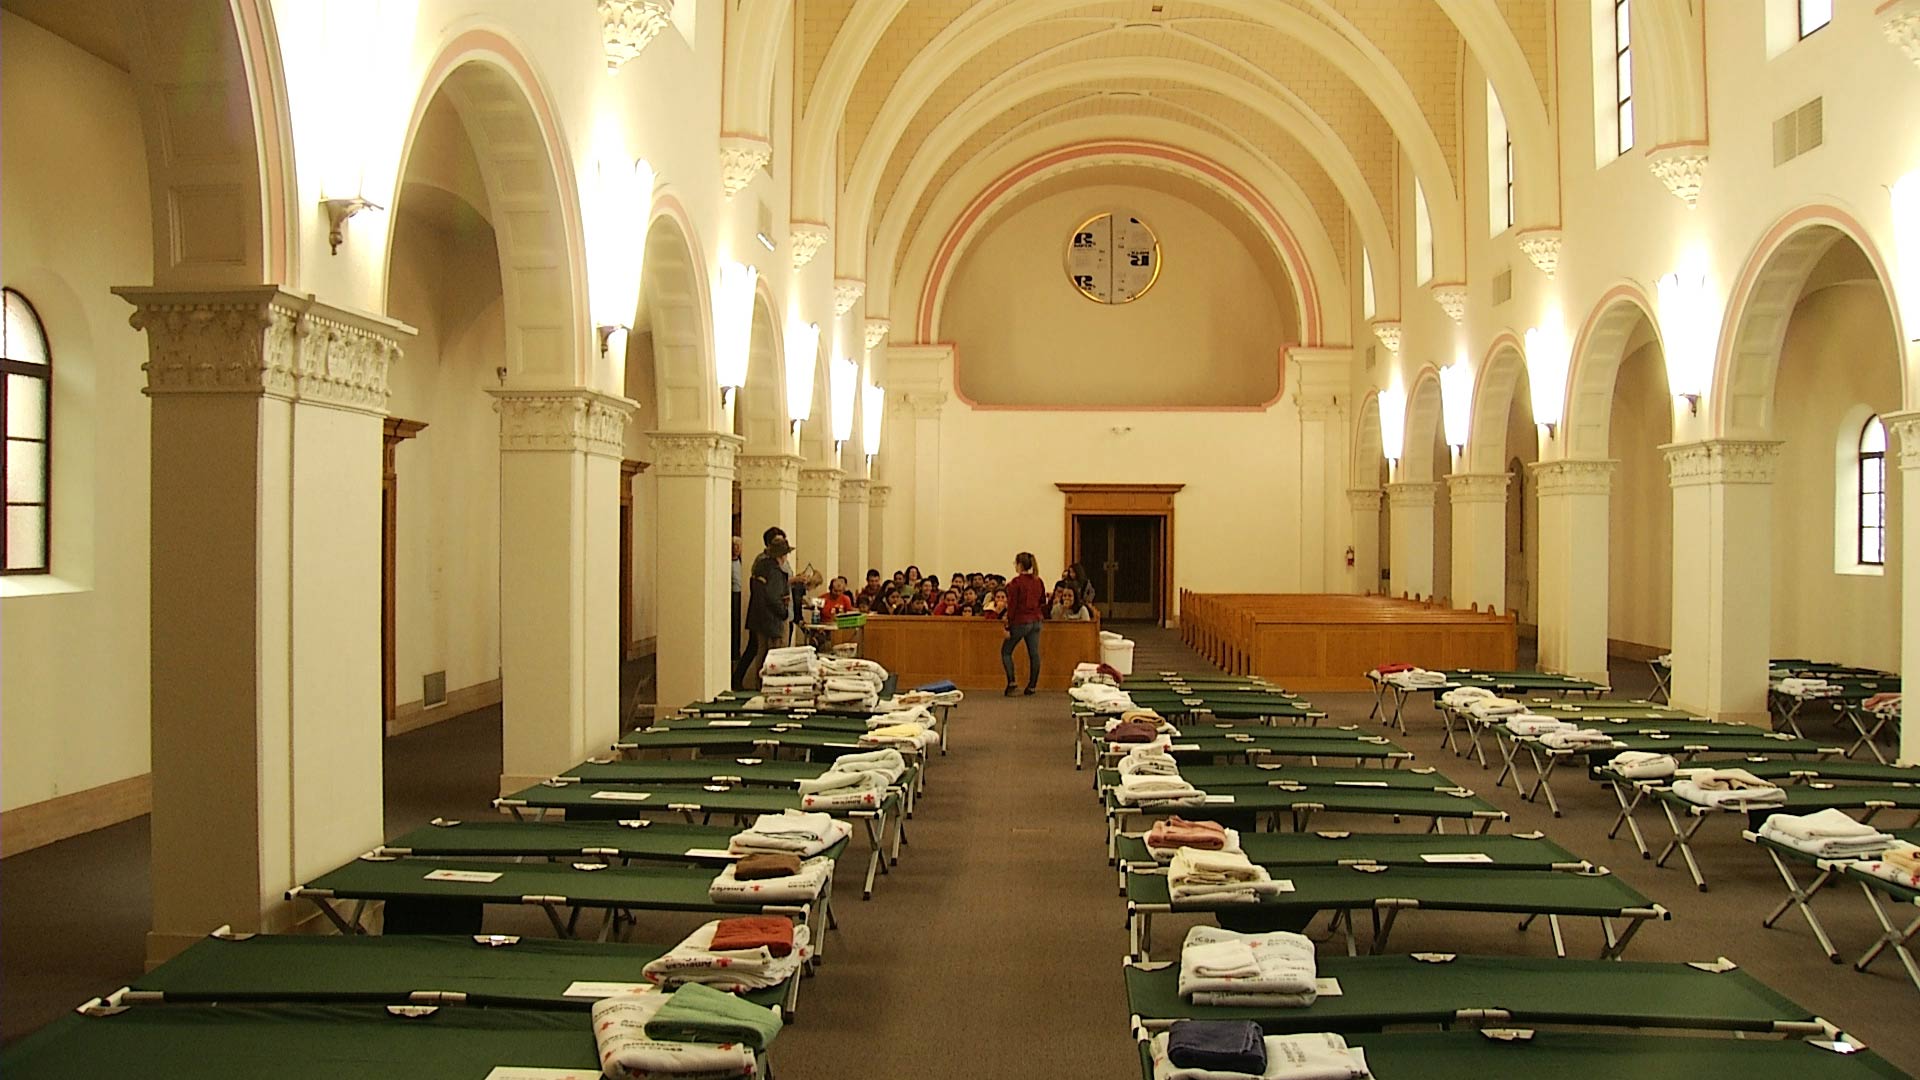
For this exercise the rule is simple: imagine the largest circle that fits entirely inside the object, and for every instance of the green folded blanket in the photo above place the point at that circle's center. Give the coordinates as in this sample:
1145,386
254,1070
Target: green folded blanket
701,1014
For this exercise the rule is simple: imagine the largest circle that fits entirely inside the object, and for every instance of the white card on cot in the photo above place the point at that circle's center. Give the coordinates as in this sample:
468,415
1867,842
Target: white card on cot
709,853
622,796
1457,857
729,723
470,877
598,990
1184,746
1219,799
528,1072
1359,783
1328,987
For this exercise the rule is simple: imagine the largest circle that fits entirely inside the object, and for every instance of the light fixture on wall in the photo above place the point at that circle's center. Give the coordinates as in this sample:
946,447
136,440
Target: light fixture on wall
1687,335
873,408
1456,402
1906,245
1547,358
803,352
339,212
733,325
1393,423
622,198
843,380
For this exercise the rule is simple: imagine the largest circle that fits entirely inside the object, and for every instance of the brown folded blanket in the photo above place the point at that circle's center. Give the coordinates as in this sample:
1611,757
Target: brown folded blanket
1179,832
769,932
755,867
1132,733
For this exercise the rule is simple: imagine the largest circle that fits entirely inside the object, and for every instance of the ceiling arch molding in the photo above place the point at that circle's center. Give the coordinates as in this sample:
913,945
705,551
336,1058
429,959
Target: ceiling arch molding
1423,424
1598,352
813,157
756,31
1536,166
1494,384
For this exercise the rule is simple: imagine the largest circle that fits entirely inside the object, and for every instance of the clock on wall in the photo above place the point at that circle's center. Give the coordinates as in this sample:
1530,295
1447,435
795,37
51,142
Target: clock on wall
1113,257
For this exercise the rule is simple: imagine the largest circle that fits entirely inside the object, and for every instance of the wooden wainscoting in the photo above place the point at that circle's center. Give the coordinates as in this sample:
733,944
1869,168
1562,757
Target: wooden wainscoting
38,824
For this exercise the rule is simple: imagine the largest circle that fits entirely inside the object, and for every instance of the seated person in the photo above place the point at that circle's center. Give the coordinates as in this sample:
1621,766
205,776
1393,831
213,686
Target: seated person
949,604
917,606
976,581
882,603
970,601
1067,606
872,590
899,579
995,606
838,600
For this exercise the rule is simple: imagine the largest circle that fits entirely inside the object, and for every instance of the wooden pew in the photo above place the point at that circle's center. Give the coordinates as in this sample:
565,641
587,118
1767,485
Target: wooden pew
1313,641
925,648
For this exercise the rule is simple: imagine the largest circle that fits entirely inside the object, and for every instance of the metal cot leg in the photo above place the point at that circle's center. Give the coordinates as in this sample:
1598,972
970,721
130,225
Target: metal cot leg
1802,898
1895,939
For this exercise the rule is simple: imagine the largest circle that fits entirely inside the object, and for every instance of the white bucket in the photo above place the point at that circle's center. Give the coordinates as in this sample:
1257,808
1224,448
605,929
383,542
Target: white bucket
1117,653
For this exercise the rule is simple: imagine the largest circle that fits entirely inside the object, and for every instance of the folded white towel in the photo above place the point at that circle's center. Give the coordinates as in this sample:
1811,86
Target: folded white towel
626,1053
735,970
1826,824
1644,765
887,762
1886,871
1461,697
857,791
1783,830
1806,688
1289,1057
1149,759
794,833
1144,788
1489,707
1723,787
1217,877
799,888
1416,679
1283,964
1575,739
1532,724
1220,960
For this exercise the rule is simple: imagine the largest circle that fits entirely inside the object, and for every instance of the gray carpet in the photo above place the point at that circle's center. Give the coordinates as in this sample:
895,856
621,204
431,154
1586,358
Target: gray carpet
994,949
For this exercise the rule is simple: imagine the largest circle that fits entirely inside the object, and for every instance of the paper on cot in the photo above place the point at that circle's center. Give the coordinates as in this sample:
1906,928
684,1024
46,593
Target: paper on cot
729,723
1219,799
529,1072
597,990
710,853
1457,857
622,796
470,877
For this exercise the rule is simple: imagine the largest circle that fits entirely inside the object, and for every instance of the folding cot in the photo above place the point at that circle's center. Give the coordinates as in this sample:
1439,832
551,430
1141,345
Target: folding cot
1684,742
1846,703
1090,728
1891,937
1274,850
632,840
1311,743
723,708
617,801
810,742
1302,801
1624,715
1805,798
305,1042
1207,777
418,969
1470,1055
1826,871
1505,683
727,772
1385,891
1496,991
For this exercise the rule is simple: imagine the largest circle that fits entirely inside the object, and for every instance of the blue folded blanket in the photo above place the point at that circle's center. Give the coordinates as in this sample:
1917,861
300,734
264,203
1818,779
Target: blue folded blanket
1236,1046
940,687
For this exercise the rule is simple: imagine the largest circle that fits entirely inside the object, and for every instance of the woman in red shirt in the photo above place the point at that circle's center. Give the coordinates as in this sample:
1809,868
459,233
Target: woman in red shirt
1026,600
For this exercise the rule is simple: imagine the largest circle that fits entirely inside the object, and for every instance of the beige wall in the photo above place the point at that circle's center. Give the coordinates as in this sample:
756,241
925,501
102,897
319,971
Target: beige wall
1209,332
1640,542
1442,518
74,211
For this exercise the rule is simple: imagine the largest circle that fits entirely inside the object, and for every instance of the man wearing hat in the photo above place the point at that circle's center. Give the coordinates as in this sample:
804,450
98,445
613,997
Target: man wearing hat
769,606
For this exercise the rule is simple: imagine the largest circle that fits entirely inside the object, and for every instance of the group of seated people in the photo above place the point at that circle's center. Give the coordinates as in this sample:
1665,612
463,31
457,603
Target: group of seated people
968,595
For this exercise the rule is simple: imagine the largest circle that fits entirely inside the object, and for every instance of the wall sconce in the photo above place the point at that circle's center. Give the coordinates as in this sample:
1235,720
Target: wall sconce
843,380
1547,358
1393,422
803,352
339,212
1906,245
733,325
873,408
1688,335
616,245
1456,402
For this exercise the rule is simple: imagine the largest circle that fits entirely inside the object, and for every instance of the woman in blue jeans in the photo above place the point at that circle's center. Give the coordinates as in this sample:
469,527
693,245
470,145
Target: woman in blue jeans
1026,607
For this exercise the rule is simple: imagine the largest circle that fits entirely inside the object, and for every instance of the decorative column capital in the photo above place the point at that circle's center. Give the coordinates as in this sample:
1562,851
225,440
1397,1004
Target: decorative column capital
820,483
1721,461
877,495
922,404
1364,500
741,159
1902,27
1681,168
846,293
1573,476
855,491
1320,409
629,26
1388,331
1452,298
1477,488
1904,429
1411,494
768,472
807,238
576,421
877,331
1542,249
699,454
262,340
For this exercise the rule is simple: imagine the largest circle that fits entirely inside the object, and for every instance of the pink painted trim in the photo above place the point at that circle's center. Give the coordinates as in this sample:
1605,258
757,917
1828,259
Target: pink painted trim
668,205
1626,292
1675,145
1280,391
1794,221
1291,253
1505,339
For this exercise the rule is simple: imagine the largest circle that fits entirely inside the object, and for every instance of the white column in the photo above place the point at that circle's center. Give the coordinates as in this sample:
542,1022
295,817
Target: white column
925,407
855,529
878,540
1320,377
560,456
1479,539
817,544
1722,576
266,691
695,493
1411,561
1365,505
769,496
1574,527
1905,428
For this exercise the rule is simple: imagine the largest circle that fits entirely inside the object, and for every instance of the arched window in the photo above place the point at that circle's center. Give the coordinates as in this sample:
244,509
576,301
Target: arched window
26,400
1872,492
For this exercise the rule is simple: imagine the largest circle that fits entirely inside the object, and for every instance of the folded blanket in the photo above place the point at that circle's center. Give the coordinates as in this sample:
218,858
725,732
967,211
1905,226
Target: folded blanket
1391,669
1162,848
1806,687
1178,832
1461,697
796,832
1101,698
1283,964
1143,716
698,1014
1575,739
1289,1057
1531,724
900,736
769,932
1150,758
1489,707
1829,834
1232,959
627,1052
1886,870
1216,877
860,791
1132,733
801,887
886,762
695,960
1146,788
1644,765
1233,1046
1416,678
1903,855
762,866
1721,787
912,714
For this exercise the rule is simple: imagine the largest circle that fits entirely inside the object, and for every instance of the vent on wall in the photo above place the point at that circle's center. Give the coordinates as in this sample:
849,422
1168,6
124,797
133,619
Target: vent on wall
1503,286
433,689
1799,131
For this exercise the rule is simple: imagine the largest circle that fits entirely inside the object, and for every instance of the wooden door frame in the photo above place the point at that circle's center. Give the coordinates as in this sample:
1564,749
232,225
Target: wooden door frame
1126,500
394,431
629,648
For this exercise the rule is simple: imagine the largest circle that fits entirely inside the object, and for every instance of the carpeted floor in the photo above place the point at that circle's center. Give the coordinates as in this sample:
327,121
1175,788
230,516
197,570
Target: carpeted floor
993,949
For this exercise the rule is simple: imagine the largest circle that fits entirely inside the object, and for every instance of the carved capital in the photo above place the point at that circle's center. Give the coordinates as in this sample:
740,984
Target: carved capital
877,331
1477,488
1411,494
1902,27
628,26
820,483
1721,461
768,472
1904,429
1364,500
1682,169
846,293
1572,476
1542,249
1318,408
1388,331
877,496
741,159
576,421
263,340
855,491
698,454
1452,298
923,404
807,238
